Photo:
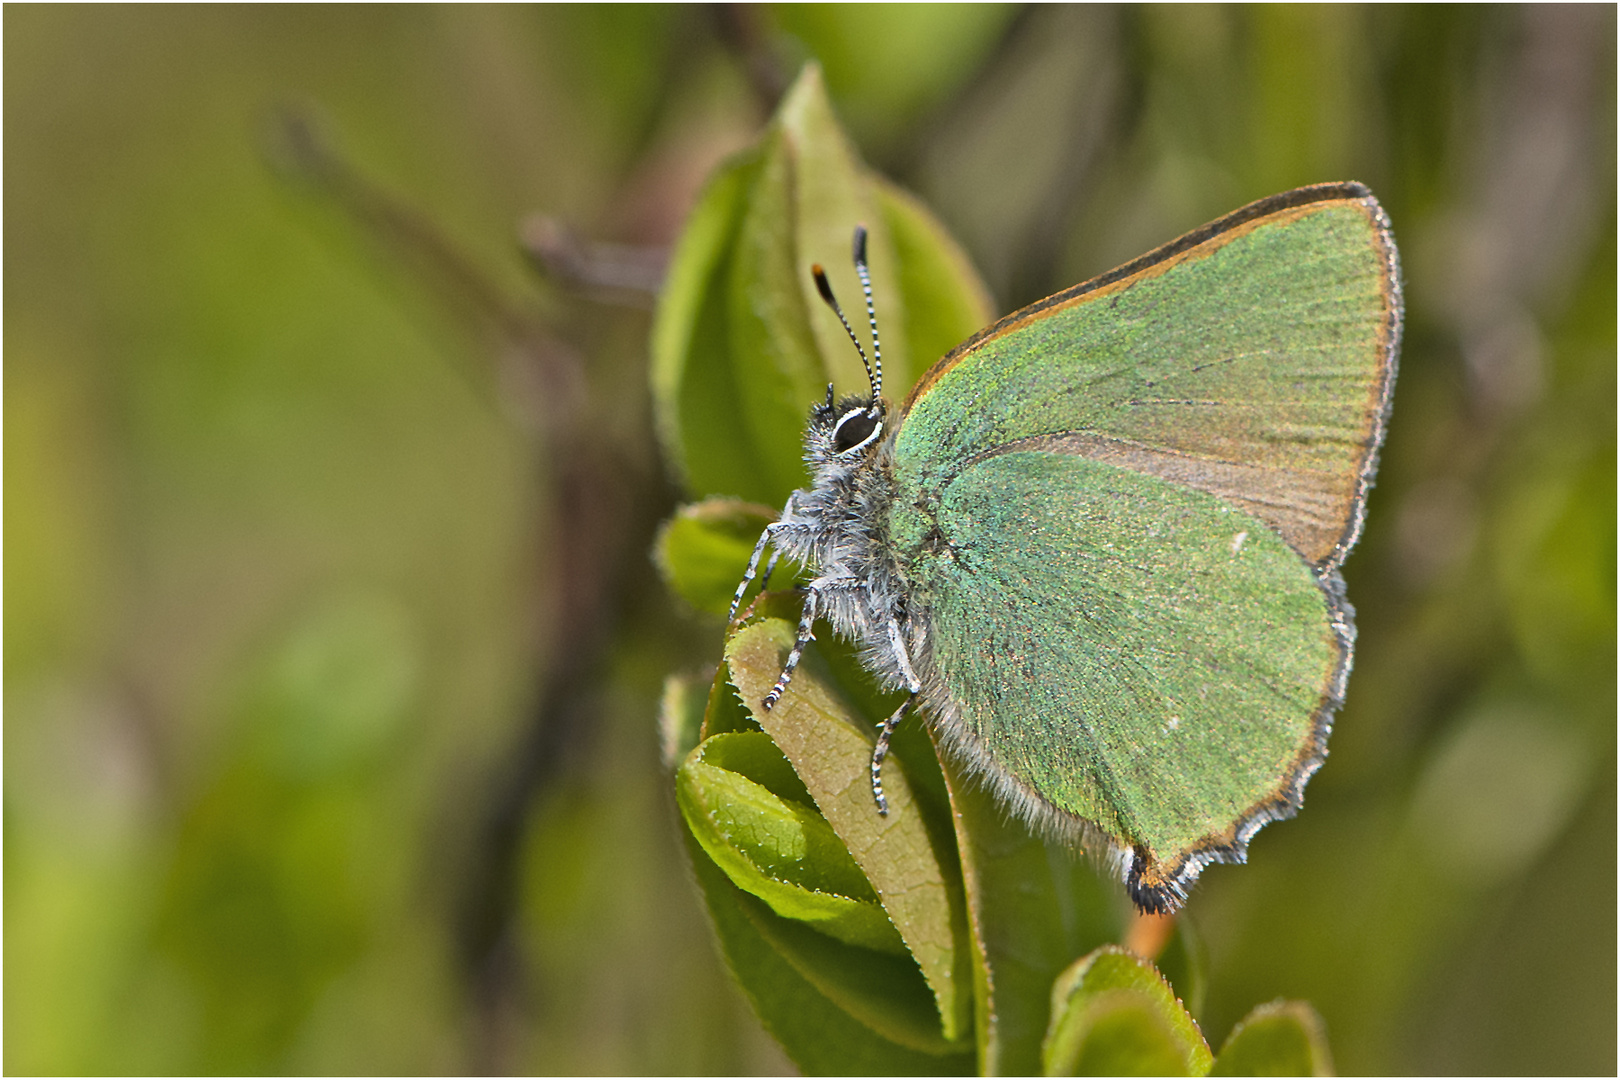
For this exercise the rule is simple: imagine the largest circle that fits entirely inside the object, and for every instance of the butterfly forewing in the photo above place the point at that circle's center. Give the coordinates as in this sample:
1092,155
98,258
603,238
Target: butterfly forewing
1255,364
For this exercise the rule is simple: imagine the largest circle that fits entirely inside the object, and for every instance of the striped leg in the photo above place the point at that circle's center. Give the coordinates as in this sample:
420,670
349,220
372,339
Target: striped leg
753,560
902,660
770,568
807,621
897,642
881,751
812,607
748,574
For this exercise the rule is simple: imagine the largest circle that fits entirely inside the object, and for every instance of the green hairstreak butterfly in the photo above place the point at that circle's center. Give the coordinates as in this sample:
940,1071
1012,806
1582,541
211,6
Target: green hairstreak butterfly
1099,542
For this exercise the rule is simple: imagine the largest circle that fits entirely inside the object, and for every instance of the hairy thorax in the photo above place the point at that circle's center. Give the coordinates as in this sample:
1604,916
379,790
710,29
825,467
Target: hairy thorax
839,528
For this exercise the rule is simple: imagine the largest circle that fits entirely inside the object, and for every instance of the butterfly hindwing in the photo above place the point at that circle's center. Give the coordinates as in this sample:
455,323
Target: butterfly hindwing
1173,659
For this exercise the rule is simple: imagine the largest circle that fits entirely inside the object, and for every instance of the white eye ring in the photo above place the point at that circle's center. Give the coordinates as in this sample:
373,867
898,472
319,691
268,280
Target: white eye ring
877,430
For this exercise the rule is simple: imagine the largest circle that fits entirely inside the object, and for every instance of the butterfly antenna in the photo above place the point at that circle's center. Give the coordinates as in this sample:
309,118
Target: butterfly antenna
826,292
871,313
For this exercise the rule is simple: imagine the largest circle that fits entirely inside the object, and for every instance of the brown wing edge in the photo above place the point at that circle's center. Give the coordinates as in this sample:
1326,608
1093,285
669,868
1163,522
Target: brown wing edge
1382,395
1161,888
1158,888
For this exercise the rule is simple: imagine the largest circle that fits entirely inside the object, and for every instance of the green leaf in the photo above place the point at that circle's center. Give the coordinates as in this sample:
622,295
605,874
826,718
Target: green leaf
751,754
1116,1033
742,345
879,984
946,302
885,992
1032,907
821,1036
704,548
831,752
1114,1015
834,193
724,711
838,661
695,398
776,848
1183,964
680,717
779,372
1282,1038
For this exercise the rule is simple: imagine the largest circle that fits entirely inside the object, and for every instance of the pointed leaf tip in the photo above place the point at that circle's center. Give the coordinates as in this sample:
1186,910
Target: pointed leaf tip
1282,1038
1113,1014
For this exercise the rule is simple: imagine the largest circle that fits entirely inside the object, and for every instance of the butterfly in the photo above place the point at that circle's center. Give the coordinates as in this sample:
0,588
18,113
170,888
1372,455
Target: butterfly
1098,544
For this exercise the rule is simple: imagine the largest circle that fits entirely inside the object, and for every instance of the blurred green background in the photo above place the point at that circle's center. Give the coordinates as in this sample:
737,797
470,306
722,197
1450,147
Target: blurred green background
332,646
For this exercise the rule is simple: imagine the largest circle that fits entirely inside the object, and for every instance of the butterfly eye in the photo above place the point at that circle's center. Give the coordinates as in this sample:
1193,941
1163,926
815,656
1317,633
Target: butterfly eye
855,428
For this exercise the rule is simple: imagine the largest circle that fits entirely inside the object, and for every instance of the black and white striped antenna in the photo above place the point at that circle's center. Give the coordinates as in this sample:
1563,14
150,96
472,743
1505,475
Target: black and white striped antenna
874,367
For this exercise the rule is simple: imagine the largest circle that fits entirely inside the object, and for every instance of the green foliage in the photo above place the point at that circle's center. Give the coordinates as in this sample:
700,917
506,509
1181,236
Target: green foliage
1283,1038
842,999
288,564
777,848
906,856
742,345
699,549
1114,1015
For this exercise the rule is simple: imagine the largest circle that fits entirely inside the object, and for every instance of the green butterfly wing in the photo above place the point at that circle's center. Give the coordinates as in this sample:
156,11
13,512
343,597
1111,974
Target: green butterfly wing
1253,359
1142,657
1121,511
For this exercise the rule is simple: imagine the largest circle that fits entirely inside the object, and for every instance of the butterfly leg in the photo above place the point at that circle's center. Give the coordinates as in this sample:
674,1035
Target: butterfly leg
748,574
770,568
897,642
881,751
902,660
753,560
814,595
807,621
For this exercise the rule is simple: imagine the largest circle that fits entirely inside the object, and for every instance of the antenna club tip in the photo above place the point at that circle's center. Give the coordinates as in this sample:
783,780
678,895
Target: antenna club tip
822,285
860,243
